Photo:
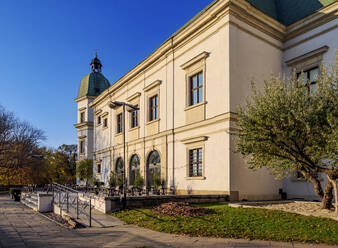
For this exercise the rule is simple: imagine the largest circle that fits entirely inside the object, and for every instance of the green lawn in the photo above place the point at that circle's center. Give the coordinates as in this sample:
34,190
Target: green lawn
247,223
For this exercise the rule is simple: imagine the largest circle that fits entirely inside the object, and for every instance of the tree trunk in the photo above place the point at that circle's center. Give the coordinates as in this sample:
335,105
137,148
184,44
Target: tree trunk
328,196
325,197
316,184
334,183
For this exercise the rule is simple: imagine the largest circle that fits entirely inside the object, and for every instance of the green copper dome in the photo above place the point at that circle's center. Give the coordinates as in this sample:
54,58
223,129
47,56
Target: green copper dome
93,83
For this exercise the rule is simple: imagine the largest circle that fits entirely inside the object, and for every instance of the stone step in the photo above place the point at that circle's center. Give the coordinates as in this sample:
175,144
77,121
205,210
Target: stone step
32,201
34,196
31,205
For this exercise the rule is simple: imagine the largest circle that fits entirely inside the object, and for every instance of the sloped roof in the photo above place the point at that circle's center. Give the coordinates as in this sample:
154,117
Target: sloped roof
93,84
288,12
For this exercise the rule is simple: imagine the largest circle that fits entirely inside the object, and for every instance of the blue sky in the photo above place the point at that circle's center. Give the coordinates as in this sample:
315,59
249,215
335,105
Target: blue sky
46,47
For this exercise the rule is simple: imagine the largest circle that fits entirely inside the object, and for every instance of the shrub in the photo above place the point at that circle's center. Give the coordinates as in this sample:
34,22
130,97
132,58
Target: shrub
139,181
112,180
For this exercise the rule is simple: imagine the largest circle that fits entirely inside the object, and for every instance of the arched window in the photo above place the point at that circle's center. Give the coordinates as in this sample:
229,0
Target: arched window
153,168
134,168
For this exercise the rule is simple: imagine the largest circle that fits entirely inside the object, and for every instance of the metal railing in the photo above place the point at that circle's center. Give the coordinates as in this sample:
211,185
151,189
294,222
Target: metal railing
68,198
130,191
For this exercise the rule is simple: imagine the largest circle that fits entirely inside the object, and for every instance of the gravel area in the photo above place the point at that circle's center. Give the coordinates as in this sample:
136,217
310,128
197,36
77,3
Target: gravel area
299,207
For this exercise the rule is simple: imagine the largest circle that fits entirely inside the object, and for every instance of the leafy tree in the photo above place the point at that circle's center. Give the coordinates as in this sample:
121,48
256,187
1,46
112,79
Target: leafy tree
62,164
85,170
287,126
19,141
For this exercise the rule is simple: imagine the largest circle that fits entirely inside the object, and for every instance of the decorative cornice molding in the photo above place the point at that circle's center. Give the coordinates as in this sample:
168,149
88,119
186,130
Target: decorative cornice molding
81,109
318,18
309,55
194,139
152,85
97,112
82,137
83,98
84,124
104,114
201,56
240,9
133,96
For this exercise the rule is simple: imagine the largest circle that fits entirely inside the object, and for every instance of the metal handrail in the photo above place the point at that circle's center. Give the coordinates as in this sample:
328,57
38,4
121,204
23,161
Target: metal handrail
64,199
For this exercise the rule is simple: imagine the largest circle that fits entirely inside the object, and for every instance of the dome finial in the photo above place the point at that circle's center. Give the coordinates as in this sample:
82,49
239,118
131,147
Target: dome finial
96,63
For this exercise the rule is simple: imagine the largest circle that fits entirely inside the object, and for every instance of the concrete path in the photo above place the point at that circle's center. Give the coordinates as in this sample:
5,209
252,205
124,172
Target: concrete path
99,219
22,227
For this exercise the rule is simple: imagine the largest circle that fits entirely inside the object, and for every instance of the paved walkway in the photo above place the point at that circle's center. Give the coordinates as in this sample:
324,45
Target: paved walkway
22,227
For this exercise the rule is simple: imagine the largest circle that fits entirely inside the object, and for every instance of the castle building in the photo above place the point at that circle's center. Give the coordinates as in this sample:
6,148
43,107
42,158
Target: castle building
187,92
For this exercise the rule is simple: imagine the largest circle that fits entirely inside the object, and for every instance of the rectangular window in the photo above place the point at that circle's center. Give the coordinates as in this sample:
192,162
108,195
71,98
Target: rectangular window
105,122
82,146
310,77
134,118
196,88
98,168
195,162
99,120
82,117
119,123
153,108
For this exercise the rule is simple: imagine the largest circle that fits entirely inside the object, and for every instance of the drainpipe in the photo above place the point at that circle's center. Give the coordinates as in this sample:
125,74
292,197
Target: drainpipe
173,111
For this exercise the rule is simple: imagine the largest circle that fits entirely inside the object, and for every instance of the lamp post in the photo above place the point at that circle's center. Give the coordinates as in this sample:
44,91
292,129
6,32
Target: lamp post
114,105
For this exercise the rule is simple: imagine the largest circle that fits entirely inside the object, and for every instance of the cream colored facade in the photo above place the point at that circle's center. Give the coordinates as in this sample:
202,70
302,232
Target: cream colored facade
230,43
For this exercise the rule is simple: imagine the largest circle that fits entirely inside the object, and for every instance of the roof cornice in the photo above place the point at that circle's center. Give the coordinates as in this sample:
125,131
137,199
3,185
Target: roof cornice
240,9
322,16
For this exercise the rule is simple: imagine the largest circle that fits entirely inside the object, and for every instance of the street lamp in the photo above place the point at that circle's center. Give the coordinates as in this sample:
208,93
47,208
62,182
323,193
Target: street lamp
114,105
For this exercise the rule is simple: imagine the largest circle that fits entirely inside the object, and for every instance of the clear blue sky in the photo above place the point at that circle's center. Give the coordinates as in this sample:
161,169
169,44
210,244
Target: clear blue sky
46,47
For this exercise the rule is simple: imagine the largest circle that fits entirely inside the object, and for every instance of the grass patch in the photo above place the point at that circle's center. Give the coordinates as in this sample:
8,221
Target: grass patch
247,223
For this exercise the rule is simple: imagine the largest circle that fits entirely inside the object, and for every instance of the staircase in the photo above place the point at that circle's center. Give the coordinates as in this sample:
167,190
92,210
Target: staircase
30,200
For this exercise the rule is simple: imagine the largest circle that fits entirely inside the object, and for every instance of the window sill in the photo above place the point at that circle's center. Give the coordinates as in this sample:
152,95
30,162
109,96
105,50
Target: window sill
153,121
195,178
195,105
103,127
134,128
118,134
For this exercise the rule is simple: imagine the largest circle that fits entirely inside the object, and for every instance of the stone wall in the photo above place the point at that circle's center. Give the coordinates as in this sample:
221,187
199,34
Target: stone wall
114,203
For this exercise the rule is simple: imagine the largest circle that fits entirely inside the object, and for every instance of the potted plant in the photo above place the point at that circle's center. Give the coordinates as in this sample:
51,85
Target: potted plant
156,183
139,182
112,180
119,180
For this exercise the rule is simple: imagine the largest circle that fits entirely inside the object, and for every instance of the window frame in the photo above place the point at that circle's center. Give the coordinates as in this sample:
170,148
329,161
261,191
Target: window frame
82,149
98,168
99,120
198,162
134,121
105,122
308,83
199,98
119,123
153,108
82,117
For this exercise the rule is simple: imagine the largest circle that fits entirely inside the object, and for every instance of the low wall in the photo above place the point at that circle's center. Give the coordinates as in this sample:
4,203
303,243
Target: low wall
114,203
45,202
